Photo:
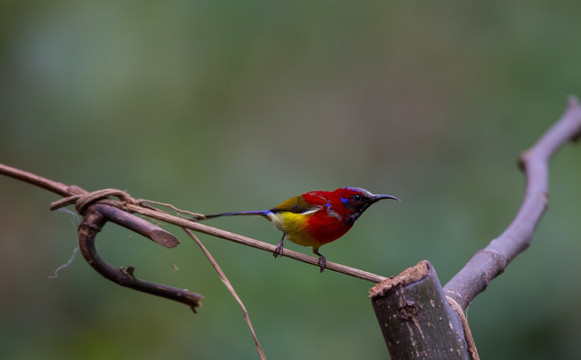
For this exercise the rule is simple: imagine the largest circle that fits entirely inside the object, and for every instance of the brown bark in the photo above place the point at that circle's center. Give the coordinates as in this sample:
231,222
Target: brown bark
415,318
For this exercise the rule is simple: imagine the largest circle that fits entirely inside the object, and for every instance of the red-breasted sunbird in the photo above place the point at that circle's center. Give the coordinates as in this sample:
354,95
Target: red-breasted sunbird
315,218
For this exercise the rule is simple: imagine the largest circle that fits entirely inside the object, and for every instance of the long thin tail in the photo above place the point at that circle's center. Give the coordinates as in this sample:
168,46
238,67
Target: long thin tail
259,212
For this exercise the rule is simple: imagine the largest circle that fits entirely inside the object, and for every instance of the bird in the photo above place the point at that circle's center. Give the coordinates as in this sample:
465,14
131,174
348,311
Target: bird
315,218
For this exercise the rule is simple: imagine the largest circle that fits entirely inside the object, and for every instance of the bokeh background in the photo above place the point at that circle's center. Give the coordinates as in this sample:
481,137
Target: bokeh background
237,105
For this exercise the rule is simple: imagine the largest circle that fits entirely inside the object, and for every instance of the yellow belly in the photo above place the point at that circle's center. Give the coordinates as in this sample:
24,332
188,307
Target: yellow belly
293,225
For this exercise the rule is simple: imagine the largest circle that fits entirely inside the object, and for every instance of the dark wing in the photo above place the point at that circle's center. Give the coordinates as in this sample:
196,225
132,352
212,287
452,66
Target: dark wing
297,205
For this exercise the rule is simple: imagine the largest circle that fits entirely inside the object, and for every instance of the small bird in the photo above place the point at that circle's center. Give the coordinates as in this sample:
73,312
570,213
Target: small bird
315,218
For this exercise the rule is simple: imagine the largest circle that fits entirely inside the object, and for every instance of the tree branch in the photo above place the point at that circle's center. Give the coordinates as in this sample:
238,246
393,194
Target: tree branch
94,219
413,314
492,260
33,179
415,318
81,197
416,292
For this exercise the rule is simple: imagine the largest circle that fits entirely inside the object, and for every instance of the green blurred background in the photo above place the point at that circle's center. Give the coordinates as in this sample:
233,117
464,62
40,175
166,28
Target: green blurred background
237,105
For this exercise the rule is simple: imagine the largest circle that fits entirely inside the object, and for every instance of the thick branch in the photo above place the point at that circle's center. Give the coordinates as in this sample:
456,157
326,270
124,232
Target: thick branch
95,218
400,303
491,261
415,318
138,225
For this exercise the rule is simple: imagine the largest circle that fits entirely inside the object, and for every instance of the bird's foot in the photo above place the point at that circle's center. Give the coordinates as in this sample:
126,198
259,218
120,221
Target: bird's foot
278,251
322,262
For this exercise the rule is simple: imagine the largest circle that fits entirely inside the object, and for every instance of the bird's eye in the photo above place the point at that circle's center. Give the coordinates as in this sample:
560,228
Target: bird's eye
357,197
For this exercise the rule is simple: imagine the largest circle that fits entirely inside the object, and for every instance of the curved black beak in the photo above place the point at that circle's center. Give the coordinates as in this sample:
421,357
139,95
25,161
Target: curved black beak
382,196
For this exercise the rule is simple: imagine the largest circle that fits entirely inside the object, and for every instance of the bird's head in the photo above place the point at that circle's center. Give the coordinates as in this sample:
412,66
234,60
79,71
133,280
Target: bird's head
357,200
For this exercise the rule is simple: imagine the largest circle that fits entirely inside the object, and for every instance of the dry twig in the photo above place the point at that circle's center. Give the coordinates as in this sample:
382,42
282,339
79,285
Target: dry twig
95,217
230,288
491,261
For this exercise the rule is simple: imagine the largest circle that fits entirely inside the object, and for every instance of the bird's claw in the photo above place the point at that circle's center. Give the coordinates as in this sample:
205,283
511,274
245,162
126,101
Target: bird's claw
322,262
278,251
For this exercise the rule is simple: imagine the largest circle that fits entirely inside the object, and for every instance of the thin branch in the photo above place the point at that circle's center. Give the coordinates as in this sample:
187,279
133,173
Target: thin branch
492,260
142,207
240,239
